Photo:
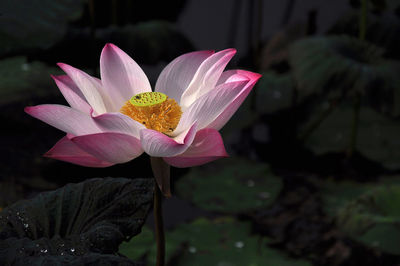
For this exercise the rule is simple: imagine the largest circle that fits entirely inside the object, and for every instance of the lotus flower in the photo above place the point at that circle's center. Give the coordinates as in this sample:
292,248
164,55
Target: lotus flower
117,118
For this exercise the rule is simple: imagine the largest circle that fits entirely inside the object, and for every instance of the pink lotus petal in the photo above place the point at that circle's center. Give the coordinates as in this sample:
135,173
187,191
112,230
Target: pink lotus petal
64,118
121,76
157,144
88,86
108,101
207,146
117,122
72,93
177,75
232,76
110,147
206,77
224,117
67,151
208,107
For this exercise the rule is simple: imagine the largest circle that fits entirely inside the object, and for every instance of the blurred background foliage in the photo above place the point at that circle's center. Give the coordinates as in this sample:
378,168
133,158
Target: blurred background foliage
315,168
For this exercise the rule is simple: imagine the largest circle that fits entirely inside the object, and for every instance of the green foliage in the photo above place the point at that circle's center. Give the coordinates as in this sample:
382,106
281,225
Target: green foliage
223,241
274,92
35,23
87,219
377,135
368,213
20,80
230,185
337,66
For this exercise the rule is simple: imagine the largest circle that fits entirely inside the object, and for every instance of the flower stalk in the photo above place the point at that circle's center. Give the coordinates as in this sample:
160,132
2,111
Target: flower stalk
161,171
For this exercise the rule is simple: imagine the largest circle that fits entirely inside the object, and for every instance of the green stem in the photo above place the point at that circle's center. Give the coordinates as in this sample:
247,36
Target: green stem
159,227
161,171
357,100
363,20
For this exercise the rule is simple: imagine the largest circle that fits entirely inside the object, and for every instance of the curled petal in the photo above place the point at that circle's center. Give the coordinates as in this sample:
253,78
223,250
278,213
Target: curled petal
207,146
232,77
88,86
67,151
208,107
110,147
72,93
157,144
64,118
206,77
121,75
177,75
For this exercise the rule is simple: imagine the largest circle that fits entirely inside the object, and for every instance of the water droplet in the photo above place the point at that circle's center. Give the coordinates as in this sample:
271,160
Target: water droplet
264,195
43,250
72,250
277,94
192,249
62,253
250,183
25,67
239,244
26,225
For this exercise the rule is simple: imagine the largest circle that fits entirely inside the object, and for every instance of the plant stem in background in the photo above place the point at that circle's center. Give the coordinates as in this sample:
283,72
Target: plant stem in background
288,12
310,129
357,100
161,171
92,31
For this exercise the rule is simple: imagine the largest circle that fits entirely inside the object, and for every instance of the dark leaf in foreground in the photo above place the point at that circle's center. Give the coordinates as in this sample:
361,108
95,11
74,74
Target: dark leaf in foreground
87,219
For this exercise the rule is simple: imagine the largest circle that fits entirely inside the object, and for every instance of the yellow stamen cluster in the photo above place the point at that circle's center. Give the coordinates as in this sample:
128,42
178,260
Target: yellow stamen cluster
154,110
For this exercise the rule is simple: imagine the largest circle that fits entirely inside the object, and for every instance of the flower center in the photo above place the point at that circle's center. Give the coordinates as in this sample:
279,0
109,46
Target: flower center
155,110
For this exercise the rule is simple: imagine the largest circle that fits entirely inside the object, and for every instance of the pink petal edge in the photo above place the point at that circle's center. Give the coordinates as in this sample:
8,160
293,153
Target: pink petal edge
72,93
207,146
206,77
178,74
157,144
224,117
89,87
110,147
67,151
64,118
121,76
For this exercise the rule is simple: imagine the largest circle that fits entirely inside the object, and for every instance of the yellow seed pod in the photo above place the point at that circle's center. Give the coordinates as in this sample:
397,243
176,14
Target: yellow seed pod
148,99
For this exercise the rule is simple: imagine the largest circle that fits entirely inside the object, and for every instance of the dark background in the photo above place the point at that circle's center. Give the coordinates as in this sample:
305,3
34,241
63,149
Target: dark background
323,120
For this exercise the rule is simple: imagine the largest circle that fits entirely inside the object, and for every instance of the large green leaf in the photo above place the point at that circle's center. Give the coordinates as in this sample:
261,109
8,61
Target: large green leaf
339,65
378,136
20,80
94,216
220,242
230,185
35,23
374,218
366,212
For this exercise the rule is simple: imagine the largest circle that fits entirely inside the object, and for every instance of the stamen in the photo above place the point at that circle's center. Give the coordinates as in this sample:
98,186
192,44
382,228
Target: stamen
155,110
